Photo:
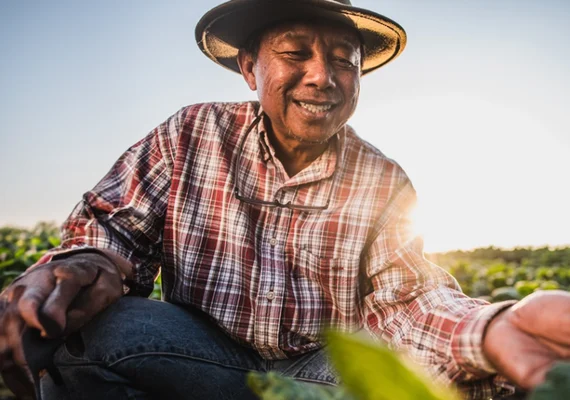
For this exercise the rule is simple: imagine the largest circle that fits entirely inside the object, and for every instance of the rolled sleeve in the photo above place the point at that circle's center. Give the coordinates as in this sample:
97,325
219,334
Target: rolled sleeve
467,338
416,306
125,211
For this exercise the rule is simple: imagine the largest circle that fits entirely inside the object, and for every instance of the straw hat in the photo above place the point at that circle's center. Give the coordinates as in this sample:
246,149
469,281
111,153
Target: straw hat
224,29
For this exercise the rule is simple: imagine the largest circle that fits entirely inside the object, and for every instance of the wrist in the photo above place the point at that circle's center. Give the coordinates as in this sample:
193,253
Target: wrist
493,328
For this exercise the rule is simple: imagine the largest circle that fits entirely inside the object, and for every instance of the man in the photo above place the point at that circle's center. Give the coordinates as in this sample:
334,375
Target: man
270,221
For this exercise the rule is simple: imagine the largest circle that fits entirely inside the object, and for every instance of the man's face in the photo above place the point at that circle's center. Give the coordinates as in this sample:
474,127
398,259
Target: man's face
307,77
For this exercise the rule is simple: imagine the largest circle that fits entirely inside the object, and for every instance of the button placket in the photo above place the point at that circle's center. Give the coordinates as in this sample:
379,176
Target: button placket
271,289
269,300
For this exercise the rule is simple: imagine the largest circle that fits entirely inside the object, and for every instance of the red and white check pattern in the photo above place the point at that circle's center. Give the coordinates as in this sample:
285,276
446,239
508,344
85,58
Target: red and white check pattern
273,278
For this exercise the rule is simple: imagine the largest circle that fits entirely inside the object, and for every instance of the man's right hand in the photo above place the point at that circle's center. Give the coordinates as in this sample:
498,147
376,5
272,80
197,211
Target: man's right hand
58,298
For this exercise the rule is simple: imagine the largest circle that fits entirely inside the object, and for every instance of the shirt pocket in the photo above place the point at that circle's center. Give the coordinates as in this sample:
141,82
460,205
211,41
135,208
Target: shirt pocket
331,285
322,268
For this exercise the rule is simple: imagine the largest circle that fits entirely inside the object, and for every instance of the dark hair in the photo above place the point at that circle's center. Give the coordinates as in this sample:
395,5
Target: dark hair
253,42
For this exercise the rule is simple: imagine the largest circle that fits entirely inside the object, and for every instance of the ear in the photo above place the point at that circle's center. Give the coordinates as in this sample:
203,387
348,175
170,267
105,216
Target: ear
247,67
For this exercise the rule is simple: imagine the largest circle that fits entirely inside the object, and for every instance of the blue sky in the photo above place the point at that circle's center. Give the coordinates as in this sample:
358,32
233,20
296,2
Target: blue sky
475,109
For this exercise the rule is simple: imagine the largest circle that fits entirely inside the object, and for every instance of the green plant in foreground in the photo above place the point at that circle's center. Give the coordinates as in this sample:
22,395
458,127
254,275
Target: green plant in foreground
371,372
368,372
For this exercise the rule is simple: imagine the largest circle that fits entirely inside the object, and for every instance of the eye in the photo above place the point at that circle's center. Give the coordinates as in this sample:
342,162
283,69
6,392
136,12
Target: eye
344,62
297,54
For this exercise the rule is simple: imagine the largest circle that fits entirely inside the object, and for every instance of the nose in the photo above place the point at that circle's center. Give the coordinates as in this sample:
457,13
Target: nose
320,73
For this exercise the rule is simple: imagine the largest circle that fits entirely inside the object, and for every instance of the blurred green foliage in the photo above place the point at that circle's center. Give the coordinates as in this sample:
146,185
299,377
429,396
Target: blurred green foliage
20,248
498,274
557,384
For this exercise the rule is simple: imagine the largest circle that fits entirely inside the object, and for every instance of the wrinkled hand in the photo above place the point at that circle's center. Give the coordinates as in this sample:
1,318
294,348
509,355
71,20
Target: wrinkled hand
57,298
524,341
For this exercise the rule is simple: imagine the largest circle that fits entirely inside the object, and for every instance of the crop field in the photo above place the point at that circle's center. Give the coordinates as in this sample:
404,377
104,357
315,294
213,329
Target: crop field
497,274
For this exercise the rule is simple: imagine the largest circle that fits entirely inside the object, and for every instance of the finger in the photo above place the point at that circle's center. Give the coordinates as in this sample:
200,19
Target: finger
32,300
560,350
3,342
70,279
544,314
92,300
13,325
11,293
41,283
53,313
19,381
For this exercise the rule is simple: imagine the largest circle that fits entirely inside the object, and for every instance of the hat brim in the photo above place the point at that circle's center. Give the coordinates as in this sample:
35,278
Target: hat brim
224,29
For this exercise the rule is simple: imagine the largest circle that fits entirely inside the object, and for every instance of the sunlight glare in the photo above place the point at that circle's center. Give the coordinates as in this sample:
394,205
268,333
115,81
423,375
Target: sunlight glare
478,168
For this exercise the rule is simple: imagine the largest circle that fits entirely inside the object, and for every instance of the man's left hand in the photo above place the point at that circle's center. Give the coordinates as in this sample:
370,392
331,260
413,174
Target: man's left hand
524,341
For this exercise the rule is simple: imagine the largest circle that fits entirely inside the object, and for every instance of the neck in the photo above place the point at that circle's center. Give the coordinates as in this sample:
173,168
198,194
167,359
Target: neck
295,155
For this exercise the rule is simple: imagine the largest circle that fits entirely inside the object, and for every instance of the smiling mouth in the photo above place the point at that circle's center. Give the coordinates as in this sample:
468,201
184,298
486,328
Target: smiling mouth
315,108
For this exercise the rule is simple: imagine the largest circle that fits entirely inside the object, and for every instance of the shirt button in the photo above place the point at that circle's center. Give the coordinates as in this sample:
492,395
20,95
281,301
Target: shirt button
270,295
273,242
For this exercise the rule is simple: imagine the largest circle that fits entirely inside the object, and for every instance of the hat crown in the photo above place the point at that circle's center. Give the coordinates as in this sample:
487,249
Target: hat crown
345,2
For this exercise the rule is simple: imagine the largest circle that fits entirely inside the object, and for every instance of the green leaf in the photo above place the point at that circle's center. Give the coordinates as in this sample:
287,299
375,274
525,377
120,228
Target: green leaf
54,241
10,273
35,257
272,386
505,293
7,263
373,372
156,292
20,252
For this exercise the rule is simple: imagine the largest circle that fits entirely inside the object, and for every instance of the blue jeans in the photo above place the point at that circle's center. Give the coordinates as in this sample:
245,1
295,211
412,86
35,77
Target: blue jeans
145,349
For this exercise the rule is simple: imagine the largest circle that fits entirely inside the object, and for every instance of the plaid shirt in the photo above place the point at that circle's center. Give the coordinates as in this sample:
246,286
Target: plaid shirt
273,277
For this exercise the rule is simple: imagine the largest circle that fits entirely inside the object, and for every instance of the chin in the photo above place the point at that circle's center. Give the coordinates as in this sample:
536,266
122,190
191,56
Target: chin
311,139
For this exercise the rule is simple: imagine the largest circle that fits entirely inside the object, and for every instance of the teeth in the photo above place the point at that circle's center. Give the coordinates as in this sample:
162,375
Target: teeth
315,108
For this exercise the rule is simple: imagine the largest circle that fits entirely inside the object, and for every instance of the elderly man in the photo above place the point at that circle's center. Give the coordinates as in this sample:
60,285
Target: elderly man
270,221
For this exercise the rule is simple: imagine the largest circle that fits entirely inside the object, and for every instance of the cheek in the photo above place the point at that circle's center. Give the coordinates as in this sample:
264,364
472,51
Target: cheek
274,90
352,92
356,96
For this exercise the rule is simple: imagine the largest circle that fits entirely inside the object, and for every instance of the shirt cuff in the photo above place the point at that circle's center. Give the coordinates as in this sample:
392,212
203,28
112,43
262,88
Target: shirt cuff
467,338
57,253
